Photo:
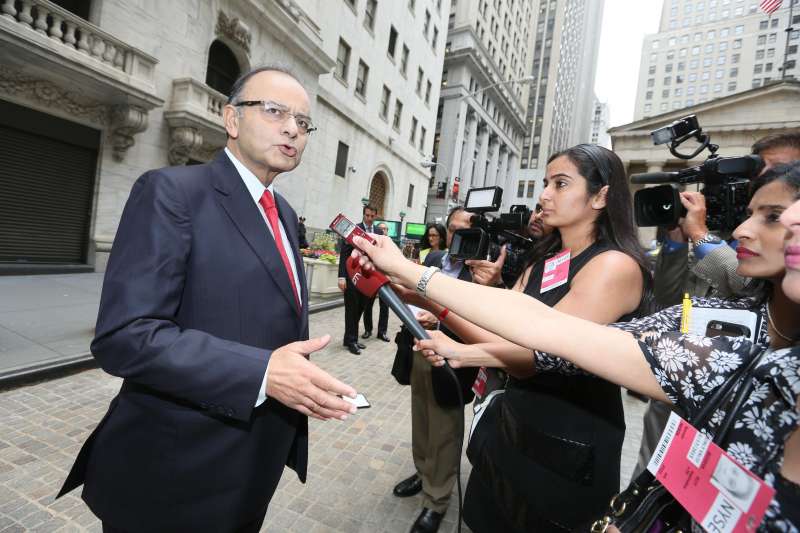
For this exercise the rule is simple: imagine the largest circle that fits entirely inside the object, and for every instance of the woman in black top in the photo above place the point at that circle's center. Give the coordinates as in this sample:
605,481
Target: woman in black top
547,455
684,369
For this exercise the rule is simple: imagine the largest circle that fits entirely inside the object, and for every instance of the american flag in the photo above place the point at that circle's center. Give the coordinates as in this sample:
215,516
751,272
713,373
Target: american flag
770,6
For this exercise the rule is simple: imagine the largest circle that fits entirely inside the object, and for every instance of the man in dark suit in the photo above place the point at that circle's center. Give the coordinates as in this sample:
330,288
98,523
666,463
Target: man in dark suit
204,313
354,301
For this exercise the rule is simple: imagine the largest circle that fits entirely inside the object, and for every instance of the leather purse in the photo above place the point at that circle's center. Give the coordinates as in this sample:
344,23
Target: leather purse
404,357
645,506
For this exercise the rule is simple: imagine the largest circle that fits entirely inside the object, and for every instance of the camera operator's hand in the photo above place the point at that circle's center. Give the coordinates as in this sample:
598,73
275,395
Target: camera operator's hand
693,224
427,320
487,272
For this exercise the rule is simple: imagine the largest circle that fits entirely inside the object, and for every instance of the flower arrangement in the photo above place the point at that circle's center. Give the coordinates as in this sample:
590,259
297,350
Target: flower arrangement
323,248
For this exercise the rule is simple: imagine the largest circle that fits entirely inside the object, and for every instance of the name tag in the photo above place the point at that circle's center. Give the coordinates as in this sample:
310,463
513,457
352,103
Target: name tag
718,492
479,385
556,271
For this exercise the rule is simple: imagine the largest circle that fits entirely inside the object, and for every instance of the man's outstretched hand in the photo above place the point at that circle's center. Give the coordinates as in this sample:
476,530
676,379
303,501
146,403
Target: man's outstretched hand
298,383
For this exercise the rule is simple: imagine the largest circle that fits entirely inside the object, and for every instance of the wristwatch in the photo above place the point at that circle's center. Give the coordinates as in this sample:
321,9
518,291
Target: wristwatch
422,284
708,238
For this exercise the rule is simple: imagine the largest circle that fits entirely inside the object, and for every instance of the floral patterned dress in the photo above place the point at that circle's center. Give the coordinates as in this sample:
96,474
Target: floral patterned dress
691,368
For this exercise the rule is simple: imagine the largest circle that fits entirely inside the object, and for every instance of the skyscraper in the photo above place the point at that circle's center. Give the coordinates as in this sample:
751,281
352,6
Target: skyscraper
480,121
707,49
561,98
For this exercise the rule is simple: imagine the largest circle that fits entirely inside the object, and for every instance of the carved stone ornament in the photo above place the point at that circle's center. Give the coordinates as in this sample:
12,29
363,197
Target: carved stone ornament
183,142
44,93
235,30
126,121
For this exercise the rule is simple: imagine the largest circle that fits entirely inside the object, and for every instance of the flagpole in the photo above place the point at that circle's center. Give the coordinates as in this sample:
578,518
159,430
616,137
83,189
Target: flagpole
786,47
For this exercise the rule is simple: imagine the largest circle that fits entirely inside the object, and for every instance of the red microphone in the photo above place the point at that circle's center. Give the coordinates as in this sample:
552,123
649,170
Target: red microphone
373,282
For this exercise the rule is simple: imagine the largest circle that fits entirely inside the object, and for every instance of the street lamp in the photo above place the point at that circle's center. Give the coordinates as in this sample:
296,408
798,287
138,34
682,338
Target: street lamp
525,79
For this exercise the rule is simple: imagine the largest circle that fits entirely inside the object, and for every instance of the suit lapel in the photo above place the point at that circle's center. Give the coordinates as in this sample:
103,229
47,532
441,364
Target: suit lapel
243,212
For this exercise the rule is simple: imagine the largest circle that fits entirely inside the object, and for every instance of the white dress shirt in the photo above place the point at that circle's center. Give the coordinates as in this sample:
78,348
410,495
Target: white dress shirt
256,190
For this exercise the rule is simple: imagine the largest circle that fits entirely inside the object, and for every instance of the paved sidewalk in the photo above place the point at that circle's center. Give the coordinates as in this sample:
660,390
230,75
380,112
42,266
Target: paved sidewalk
47,321
353,464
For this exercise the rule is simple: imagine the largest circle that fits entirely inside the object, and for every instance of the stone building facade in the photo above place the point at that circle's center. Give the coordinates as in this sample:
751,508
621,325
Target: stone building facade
93,94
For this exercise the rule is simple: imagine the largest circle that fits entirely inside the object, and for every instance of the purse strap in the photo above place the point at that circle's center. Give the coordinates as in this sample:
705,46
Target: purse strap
723,394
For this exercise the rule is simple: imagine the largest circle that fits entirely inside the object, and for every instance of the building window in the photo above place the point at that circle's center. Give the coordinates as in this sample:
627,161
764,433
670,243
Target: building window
398,113
434,38
361,79
369,14
520,188
531,188
648,95
392,42
428,92
733,72
386,96
422,134
420,75
404,61
341,159
222,69
444,79
427,25
343,61
410,201
412,137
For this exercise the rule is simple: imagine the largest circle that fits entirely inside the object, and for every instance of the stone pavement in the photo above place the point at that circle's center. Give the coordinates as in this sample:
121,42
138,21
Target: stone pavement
353,464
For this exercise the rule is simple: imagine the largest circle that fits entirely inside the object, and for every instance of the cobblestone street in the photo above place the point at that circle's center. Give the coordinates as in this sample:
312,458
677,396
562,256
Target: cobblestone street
353,465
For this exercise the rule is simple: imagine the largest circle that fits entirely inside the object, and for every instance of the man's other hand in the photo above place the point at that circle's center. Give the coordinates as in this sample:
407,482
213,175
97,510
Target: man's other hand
487,272
693,224
298,383
342,284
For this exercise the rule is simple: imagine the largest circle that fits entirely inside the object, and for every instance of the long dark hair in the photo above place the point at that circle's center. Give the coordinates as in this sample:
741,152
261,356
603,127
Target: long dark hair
426,243
614,225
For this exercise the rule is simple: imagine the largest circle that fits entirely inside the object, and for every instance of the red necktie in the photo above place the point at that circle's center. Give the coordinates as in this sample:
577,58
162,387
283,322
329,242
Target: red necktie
268,203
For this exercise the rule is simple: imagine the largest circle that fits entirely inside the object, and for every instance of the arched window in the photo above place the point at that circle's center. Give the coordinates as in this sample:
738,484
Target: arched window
223,68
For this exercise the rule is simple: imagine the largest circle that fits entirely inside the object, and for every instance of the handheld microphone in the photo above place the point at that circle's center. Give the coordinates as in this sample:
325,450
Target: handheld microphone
374,282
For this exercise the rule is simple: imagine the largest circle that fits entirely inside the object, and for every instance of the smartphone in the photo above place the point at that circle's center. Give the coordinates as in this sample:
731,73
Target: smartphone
360,401
719,328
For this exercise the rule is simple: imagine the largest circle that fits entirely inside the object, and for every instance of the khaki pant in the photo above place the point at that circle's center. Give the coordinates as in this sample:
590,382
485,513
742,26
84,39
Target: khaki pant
435,438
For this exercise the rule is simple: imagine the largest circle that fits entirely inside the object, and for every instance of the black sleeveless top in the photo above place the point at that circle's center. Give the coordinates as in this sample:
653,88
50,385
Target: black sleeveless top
553,462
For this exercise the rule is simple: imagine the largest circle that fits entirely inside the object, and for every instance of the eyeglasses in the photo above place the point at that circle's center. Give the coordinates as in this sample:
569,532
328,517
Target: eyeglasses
279,113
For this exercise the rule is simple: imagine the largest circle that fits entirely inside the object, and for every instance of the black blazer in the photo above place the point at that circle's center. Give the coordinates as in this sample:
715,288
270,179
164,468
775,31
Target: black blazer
443,388
195,299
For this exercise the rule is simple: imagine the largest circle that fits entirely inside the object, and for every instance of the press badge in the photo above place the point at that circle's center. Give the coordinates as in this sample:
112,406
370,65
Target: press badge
479,385
718,492
556,271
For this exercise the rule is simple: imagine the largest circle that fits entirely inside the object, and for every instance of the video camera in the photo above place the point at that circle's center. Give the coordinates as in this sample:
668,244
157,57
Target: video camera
726,181
487,235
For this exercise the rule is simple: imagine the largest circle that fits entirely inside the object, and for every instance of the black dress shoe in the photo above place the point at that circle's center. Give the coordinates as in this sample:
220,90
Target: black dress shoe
362,346
367,334
427,522
408,487
353,347
383,337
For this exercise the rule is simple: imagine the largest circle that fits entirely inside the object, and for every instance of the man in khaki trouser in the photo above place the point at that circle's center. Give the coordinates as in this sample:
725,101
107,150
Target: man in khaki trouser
436,412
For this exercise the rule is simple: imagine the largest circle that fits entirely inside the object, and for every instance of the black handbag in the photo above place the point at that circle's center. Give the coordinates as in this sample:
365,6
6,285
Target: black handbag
404,357
645,504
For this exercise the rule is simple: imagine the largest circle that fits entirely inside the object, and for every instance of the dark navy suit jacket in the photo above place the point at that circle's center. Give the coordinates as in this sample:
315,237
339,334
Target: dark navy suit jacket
195,299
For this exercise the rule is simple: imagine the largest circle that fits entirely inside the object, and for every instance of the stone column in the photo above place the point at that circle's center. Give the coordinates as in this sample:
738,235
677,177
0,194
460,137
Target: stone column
494,160
483,149
502,172
449,156
468,154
